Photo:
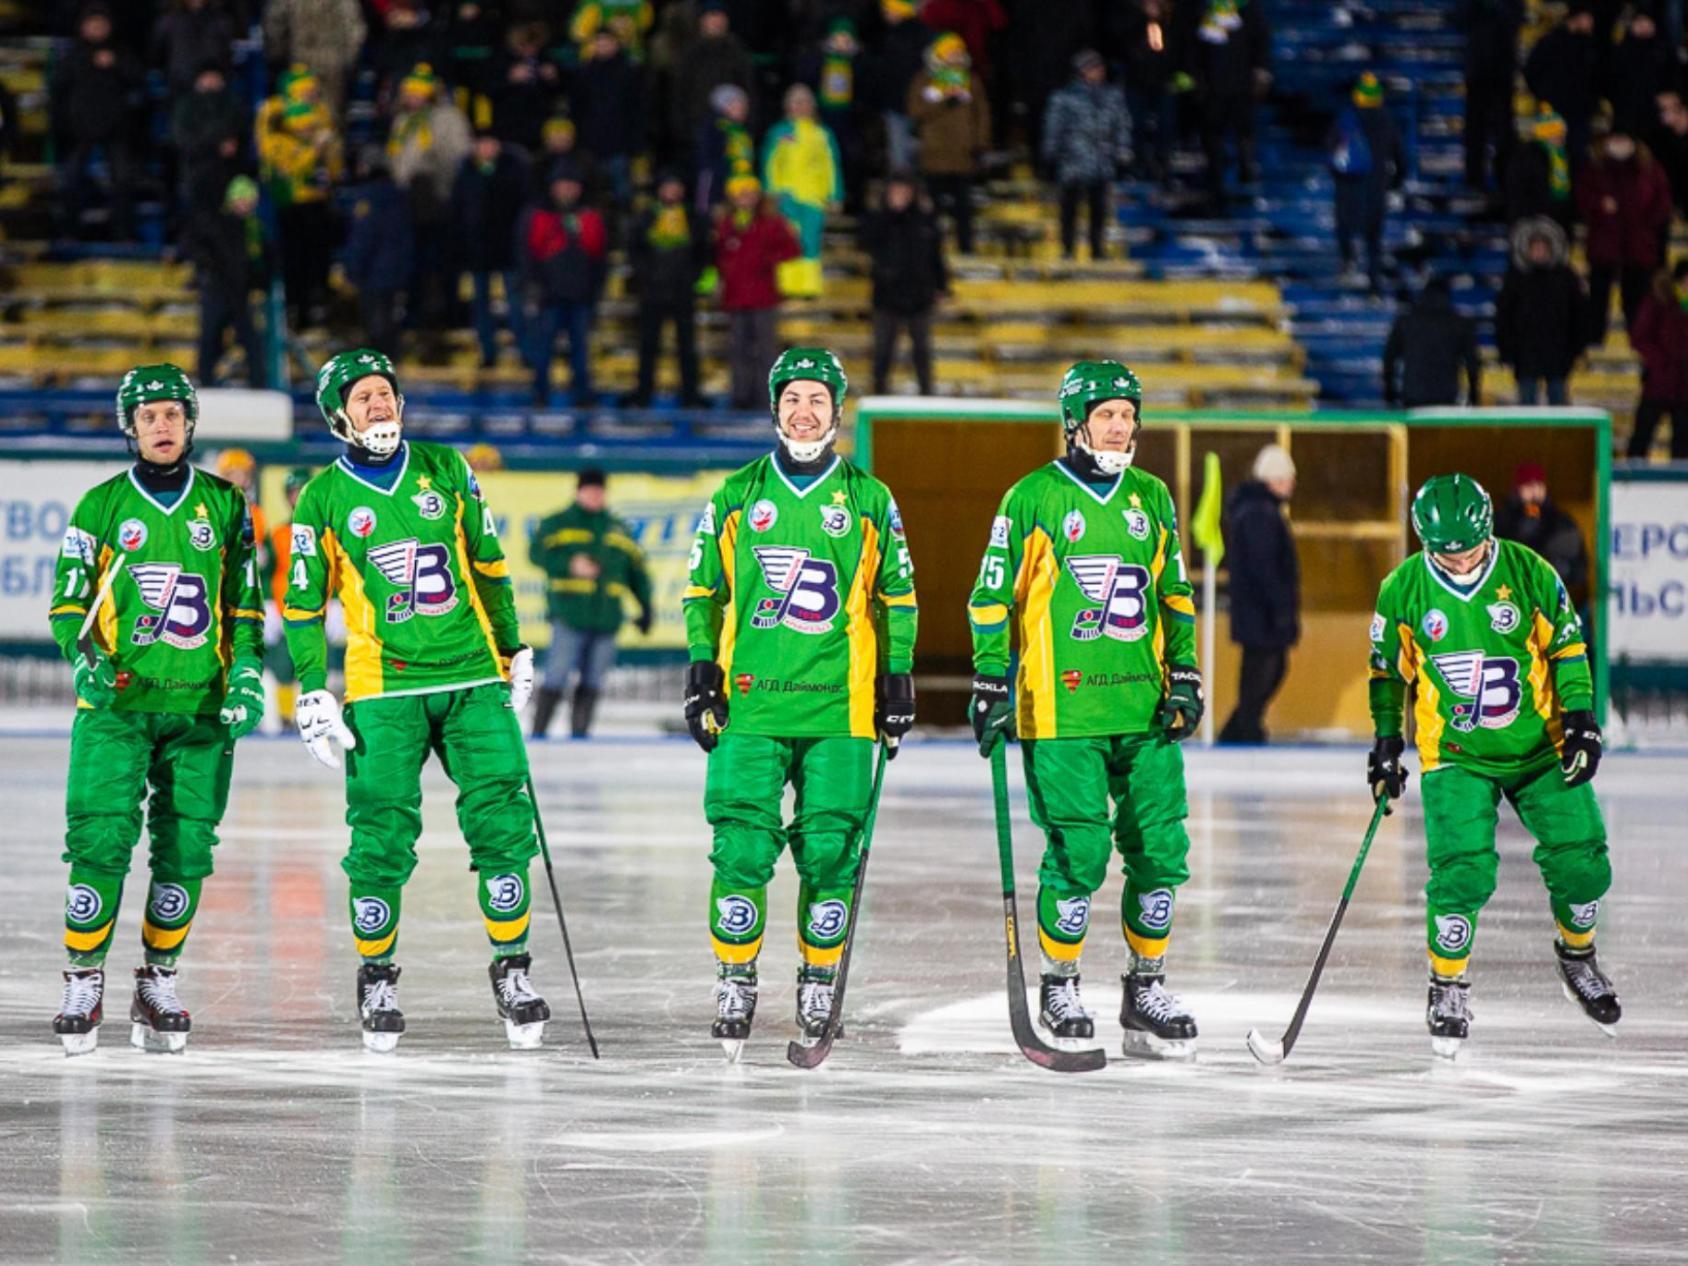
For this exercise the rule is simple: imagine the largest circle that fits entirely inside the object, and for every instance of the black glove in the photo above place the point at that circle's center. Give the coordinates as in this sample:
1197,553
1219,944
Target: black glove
1181,710
893,710
643,623
991,713
1383,768
1579,755
706,702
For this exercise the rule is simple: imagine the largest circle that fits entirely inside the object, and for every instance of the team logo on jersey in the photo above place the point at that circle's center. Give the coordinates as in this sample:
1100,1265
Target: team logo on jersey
180,614
1072,527
1072,917
131,535
763,515
1137,523
504,893
1434,624
201,535
826,919
744,681
806,590
79,545
1453,932
1154,909
1001,526
429,504
167,902
1487,690
1378,626
422,574
735,915
1072,679
1584,915
82,904
1503,617
370,914
896,521
1120,588
835,520
304,540
361,523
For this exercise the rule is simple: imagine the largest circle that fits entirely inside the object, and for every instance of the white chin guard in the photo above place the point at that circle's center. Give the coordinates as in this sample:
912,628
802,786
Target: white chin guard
804,453
380,438
1107,461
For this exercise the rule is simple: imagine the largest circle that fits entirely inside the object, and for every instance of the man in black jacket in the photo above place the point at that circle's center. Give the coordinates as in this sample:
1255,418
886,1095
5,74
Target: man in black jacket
1265,588
1226,50
907,249
1491,70
1531,518
208,126
489,193
1541,313
95,89
607,94
1428,346
1563,70
668,248
224,242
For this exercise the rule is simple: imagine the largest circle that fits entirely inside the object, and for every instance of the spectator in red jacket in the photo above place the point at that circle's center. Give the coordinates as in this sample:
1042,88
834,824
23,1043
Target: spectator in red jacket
1660,338
1623,196
561,244
751,241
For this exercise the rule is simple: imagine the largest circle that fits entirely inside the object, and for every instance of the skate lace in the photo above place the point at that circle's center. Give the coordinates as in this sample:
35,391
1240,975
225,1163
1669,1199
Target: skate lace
1586,979
380,995
514,988
734,998
81,994
1064,1002
159,992
1155,1002
1453,1003
815,997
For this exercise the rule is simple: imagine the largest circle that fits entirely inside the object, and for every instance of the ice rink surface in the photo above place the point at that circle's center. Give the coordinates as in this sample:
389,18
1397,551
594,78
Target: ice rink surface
926,1138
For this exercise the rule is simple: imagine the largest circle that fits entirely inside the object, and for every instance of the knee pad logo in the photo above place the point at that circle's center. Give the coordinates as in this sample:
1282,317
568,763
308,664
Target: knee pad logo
1453,932
1155,908
735,915
1074,916
82,904
1583,916
168,902
826,919
370,914
504,893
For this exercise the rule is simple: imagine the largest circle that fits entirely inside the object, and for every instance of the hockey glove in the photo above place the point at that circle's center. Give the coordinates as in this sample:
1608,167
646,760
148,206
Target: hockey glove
644,622
521,677
893,710
1384,772
706,702
243,698
317,714
97,679
991,713
1181,709
1579,755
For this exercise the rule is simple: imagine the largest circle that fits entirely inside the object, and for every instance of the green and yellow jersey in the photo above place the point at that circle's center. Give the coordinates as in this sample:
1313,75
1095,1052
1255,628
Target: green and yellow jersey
1089,581
1492,665
594,601
411,552
185,600
803,591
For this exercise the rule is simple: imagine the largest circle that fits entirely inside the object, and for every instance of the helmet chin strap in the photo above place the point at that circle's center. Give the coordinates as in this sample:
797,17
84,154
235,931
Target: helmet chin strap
1105,460
379,438
807,452
1467,579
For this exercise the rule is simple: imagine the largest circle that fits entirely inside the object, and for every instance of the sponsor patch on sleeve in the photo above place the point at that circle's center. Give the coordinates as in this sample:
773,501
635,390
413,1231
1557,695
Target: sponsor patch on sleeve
706,525
78,544
1001,526
1378,625
304,539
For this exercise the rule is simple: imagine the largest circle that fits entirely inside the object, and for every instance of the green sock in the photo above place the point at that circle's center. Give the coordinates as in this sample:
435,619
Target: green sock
374,911
90,914
505,901
171,904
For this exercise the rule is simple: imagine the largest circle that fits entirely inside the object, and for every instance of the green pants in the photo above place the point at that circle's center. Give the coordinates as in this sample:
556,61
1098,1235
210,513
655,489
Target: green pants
1460,815
479,742
116,759
748,773
1071,784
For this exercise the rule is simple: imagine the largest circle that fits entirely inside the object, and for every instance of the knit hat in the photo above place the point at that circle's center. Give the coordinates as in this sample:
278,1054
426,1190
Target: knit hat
240,189
421,80
948,49
591,477
1368,92
296,81
1273,462
557,128
898,10
1529,473
743,184
1086,59
1548,126
723,95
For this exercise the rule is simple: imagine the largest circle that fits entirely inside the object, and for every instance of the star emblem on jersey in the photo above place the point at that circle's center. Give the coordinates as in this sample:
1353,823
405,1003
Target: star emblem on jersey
361,523
805,590
1118,587
1504,592
1503,616
180,613
1072,527
1136,502
424,483
131,535
763,515
1486,688
421,574
840,497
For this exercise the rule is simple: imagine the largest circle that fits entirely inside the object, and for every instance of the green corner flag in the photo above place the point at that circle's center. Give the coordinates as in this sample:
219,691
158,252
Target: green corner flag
1204,524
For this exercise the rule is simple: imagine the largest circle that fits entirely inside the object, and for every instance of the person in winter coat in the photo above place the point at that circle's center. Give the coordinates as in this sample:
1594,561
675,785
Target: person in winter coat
525,82
379,247
723,148
1667,137
95,90
607,95
629,21
207,126
561,245
832,70
1563,71
191,35
947,105
1226,47
1637,70
489,193
325,36
975,21
1086,135
300,160
895,63
1538,174
1539,315
906,247
1151,63
429,140
1491,72
1265,589
802,171
1624,198
1366,162
1428,347
1660,339
668,248
751,241
715,57
225,243
1530,517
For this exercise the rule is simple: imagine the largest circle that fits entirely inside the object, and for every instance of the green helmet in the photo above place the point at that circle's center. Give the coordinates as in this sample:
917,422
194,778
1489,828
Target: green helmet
1090,382
1452,514
336,376
814,363
146,383
296,480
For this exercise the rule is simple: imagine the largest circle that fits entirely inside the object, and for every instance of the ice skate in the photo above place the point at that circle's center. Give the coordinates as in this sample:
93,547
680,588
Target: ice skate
1155,1022
378,1006
1448,1015
78,1021
160,1021
814,1002
1587,986
735,1008
523,1011
1061,1012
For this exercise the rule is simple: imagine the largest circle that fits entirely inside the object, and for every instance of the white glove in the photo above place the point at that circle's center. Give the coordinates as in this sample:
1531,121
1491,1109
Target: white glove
317,713
521,677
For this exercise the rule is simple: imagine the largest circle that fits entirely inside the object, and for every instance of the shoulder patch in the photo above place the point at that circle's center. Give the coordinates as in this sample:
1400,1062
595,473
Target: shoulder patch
706,525
1001,526
304,540
1378,626
79,545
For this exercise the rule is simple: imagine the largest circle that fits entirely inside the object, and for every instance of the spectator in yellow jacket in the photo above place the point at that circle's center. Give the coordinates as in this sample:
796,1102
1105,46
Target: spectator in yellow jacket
804,174
300,160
